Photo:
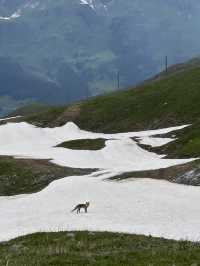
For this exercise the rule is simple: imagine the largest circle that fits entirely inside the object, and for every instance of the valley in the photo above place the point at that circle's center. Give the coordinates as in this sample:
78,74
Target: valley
80,54
99,108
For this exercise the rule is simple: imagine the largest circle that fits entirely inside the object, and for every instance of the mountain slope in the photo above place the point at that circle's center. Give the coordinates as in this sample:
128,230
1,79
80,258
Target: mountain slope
167,101
22,84
170,100
97,39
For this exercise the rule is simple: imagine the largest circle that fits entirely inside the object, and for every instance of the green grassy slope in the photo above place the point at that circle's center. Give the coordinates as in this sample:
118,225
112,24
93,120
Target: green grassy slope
168,101
83,248
19,176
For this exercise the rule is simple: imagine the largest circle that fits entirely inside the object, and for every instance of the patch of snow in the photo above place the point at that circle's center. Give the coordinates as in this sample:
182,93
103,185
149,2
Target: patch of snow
155,142
9,118
32,4
121,153
94,4
141,206
162,131
150,207
15,15
18,13
88,2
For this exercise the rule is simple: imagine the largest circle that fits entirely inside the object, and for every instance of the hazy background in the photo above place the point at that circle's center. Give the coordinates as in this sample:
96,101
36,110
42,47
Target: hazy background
61,51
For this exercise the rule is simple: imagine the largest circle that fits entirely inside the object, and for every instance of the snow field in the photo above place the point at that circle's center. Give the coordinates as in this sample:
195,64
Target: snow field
141,206
121,153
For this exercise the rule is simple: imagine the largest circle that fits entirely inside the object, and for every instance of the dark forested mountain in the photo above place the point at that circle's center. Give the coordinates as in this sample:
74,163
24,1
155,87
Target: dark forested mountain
80,45
22,84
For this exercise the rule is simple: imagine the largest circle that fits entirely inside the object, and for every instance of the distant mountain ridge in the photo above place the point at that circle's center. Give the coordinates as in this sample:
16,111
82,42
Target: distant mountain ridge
90,41
27,85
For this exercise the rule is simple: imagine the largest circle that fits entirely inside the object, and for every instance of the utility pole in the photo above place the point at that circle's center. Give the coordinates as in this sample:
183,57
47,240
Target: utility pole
166,64
118,80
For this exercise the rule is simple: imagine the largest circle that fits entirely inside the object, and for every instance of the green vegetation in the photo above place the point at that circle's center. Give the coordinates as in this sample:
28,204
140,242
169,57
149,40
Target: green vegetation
176,174
192,147
84,248
166,101
28,109
19,176
169,101
84,144
160,103
43,118
187,143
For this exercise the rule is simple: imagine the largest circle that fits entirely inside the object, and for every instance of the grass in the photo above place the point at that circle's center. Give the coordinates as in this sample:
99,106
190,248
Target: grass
29,109
86,248
84,144
169,101
43,118
176,174
187,143
19,176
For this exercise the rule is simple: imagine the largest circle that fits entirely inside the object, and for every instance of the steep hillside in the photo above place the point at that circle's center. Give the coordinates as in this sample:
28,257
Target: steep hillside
164,101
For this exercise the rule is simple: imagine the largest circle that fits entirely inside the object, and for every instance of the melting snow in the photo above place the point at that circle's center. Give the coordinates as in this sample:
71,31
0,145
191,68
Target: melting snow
88,2
138,206
142,206
121,153
9,118
94,4
155,142
15,15
19,12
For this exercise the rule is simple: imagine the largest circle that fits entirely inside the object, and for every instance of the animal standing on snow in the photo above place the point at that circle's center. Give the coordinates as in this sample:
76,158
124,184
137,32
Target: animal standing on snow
81,206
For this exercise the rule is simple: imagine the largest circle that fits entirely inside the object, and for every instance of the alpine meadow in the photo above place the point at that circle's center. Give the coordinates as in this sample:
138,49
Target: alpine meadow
99,132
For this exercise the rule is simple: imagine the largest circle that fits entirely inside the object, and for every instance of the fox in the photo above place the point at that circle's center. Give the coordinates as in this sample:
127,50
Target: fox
81,206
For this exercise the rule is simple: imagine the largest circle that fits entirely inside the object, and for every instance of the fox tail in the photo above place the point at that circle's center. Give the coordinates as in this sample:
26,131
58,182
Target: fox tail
73,209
